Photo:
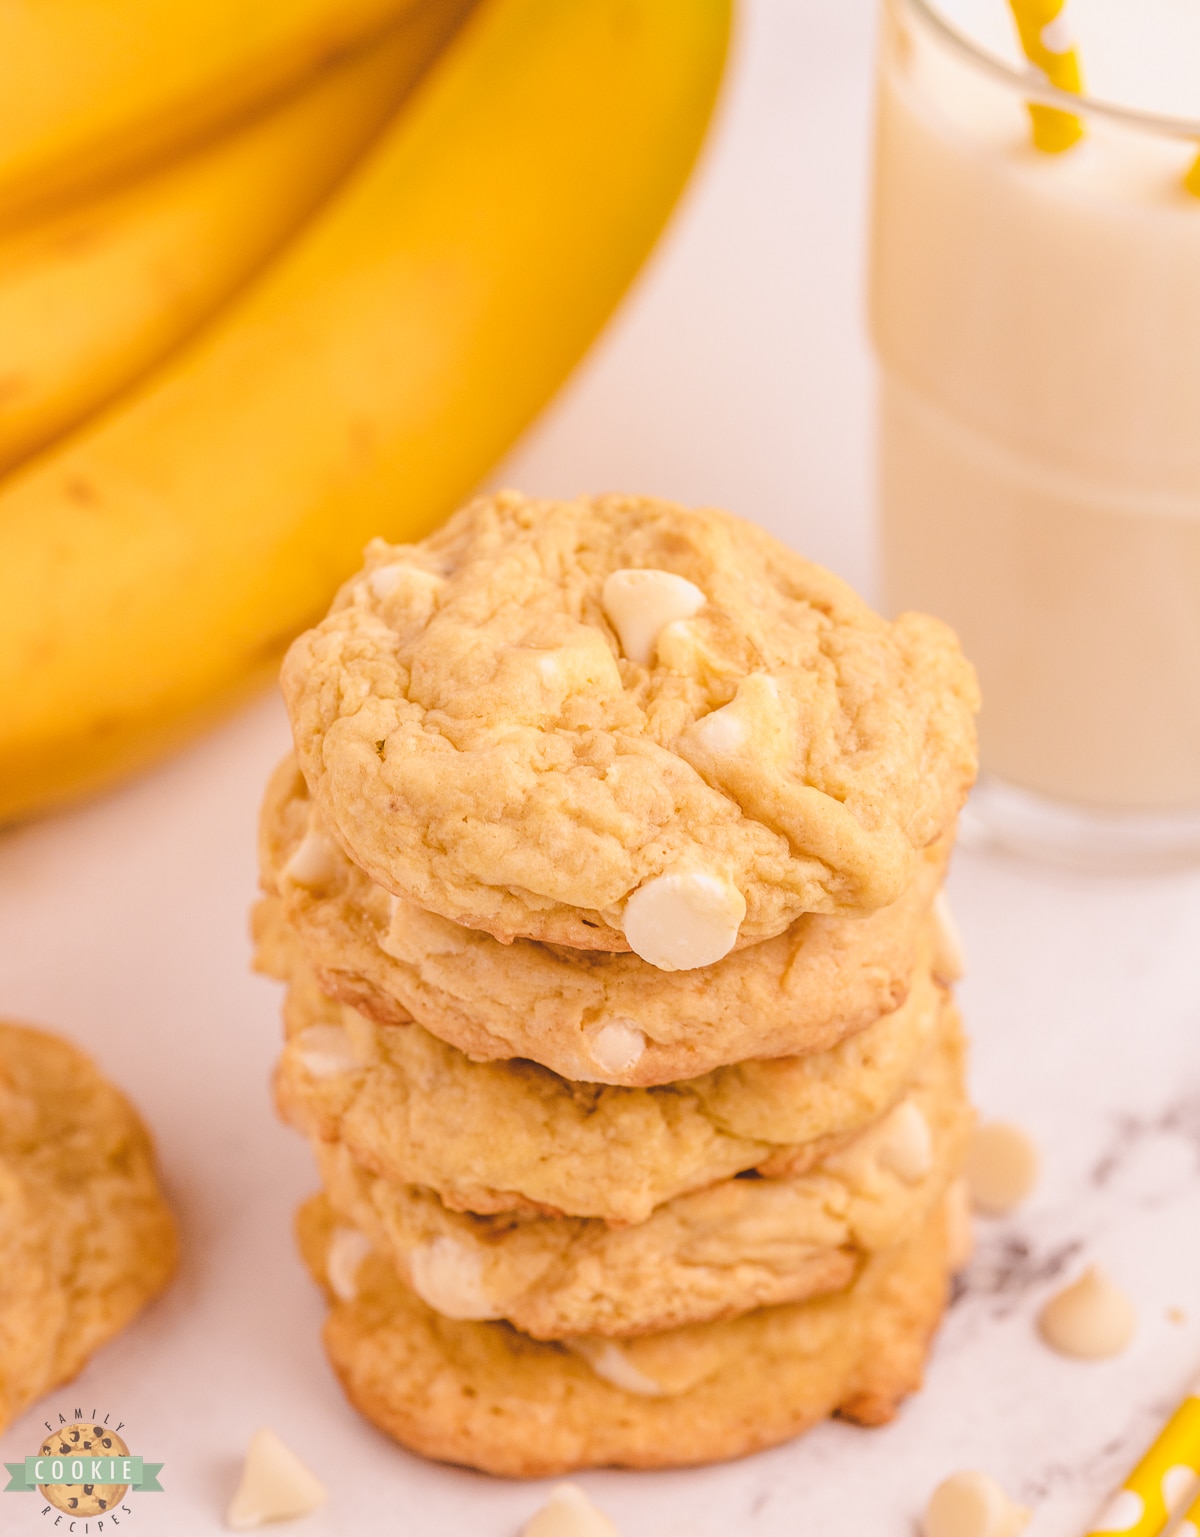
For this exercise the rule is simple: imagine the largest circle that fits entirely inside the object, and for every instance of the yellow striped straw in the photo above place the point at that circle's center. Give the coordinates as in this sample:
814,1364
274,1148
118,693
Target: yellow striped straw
1047,41
1192,182
1190,1525
1156,1489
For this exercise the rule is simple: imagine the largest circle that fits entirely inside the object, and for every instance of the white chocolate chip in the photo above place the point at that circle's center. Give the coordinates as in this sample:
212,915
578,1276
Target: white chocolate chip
1001,1167
681,921
1090,1319
275,1485
906,1143
720,731
949,961
449,1277
609,1361
616,1046
314,860
325,1051
639,604
569,1513
971,1504
347,1250
960,1241
385,580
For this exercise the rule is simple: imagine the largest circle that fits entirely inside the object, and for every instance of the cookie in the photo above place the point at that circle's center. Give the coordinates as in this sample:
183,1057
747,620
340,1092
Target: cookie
86,1239
490,1137
739,1244
617,724
487,1396
586,1015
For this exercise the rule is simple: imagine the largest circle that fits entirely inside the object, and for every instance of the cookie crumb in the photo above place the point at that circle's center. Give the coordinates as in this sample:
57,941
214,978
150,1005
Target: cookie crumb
970,1504
1091,1319
1176,1316
1002,1167
569,1513
275,1485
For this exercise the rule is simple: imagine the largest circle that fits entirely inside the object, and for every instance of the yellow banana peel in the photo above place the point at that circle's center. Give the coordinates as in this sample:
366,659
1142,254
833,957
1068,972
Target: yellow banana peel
93,298
92,89
155,566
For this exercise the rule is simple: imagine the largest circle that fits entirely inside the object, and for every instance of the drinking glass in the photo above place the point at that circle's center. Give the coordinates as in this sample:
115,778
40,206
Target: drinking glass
1036,318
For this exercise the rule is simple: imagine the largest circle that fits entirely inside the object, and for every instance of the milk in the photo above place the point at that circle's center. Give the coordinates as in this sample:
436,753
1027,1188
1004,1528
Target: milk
1038,322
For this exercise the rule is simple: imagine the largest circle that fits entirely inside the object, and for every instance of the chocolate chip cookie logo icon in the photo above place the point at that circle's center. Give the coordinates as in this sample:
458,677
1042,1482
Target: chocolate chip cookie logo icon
84,1470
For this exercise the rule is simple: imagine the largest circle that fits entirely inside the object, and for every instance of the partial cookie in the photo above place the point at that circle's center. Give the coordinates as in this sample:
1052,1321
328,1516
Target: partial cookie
86,1239
484,1395
588,1015
508,1136
619,724
740,1244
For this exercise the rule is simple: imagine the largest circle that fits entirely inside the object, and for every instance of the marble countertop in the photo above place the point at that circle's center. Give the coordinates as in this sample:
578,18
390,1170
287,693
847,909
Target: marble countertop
736,374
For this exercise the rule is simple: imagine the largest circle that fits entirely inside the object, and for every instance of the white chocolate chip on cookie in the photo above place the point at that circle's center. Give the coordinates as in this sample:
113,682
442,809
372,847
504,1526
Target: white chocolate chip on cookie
1090,1319
569,1513
449,1277
1001,1168
971,1504
639,604
347,1250
400,577
616,1046
684,920
609,1361
314,861
325,1051
906,1144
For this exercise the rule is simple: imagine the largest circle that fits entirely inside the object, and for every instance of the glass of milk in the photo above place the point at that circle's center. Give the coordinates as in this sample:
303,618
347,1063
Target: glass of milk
1037,322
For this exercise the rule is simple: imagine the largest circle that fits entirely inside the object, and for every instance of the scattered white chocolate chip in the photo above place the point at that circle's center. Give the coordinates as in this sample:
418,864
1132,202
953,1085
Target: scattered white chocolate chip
638,604
681,921
609,1361
1001,1167
906,1143
960,1241
314,860
1091,1319
949,961
569,1513
275,1485
325,1051
343,1258
616,1046
449,1277
971,1504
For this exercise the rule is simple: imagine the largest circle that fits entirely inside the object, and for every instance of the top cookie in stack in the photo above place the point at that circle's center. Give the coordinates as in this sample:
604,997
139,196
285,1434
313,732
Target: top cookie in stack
636,794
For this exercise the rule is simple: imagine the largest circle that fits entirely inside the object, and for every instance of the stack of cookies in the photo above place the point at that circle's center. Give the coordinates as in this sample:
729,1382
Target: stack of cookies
604,881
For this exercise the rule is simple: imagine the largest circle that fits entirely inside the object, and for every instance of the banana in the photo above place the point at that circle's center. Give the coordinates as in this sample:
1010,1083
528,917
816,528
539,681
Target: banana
93,298
154,567
90,89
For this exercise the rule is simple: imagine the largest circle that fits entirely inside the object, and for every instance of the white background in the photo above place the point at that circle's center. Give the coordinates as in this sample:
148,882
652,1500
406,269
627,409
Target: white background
736,374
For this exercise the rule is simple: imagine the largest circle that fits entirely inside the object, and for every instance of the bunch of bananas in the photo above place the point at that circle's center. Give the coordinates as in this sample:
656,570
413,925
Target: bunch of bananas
274,279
